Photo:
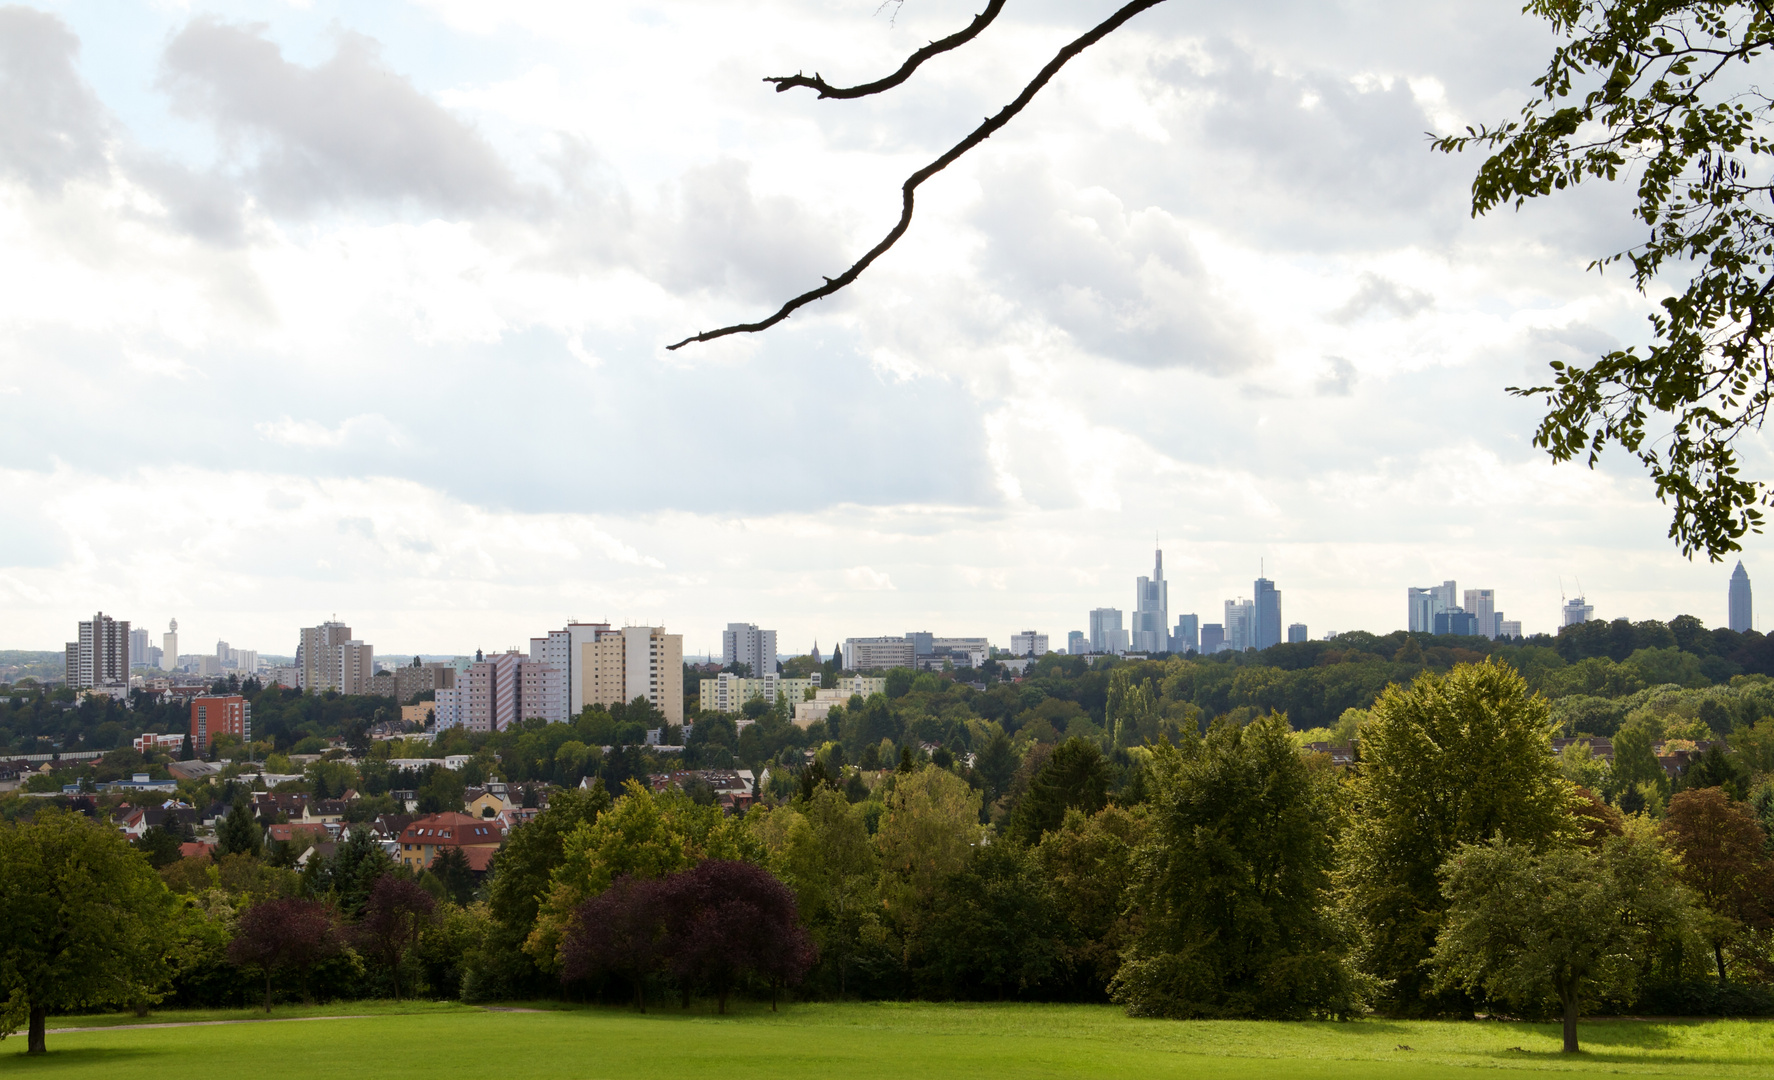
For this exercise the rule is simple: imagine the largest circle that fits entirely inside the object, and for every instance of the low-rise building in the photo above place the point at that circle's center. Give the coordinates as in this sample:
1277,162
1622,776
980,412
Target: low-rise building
425,837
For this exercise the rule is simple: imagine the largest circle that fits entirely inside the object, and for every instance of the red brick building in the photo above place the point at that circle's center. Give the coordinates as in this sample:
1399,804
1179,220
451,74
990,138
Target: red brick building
212,716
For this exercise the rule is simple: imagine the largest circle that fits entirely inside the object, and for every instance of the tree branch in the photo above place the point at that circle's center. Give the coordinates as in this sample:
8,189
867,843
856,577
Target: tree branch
910,187
935,48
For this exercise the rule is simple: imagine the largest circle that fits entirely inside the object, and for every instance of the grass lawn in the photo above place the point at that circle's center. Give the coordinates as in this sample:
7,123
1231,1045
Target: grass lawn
431,1041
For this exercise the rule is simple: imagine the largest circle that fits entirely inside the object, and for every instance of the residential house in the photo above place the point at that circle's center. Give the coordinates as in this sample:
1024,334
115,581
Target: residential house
421,841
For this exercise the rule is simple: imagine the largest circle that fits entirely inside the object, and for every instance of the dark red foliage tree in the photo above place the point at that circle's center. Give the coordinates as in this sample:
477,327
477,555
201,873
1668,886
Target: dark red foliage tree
620,931
728,919
395,914
284,935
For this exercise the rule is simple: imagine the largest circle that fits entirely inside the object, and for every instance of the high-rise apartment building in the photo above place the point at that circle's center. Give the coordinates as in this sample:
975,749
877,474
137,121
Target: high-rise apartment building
1740,616
169,647
1151,610
1266,626
1076,643
744,643
1577,611
613,667
1296,633
227,715
1106,632
501,690
331,659
1028,643
101,656
1187,636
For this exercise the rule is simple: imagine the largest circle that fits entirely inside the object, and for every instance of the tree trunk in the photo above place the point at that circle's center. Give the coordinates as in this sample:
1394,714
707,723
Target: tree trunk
773,985
34,1041
1570,1004
640,993
1718,957
267,991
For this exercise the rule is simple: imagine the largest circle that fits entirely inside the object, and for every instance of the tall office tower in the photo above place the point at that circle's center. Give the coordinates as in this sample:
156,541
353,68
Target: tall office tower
1151,610
744,643
1509,628
1267,629
1240,620
1740,617
138,647
1481,604
1213,639
1424,606
1028,643
101,656
1296,632
169,647
1187,637
1076,643
1106,634
1577,611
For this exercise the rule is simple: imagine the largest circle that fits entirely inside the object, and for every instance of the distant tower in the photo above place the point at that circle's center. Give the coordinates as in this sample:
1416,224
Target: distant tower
169,647
816,660
1151,610
1741,619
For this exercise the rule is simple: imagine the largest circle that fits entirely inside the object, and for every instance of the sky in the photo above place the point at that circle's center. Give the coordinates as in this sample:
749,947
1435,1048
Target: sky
313,309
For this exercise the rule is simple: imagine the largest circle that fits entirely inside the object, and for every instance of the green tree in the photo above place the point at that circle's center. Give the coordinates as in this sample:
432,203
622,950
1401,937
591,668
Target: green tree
1089,860
1724,860
1230,889
85,921
1653,89
519,882
159,845
1449,760
450,868
927,832
1075,777
821,849
238,833
996,763
1559,926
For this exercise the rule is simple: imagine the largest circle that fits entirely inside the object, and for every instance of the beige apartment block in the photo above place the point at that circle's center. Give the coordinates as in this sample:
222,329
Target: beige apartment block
635,661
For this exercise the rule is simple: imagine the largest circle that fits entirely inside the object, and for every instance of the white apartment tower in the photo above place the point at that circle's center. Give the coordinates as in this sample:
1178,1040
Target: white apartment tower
1028,643
101,656
169,647
744,643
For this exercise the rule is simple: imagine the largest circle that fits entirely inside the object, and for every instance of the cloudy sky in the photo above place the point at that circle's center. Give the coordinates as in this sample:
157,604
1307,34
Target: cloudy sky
317,308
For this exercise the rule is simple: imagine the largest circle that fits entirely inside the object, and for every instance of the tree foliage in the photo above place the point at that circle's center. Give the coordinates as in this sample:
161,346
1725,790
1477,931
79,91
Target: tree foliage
1231,884
285,935
1448,760
1662,92
85,921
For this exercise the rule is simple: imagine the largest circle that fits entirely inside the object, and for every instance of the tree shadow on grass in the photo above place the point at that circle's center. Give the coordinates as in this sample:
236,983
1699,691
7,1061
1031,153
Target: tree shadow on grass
82,1056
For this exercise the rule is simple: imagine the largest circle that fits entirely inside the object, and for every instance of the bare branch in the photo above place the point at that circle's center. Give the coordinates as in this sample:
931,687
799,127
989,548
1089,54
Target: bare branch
910,187
935,48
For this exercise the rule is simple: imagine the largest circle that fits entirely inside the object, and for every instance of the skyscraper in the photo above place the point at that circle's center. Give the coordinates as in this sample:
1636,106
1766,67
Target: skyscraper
101,656
1481,604
1426,603
331,659
1296,632
1151,610
1240,625
1741,617
1266,626
1076,643
169,647
1187,637
138,647
1106,633
1577,611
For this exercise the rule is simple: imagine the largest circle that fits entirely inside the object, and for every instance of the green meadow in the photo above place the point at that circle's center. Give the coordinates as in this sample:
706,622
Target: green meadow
432,1041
